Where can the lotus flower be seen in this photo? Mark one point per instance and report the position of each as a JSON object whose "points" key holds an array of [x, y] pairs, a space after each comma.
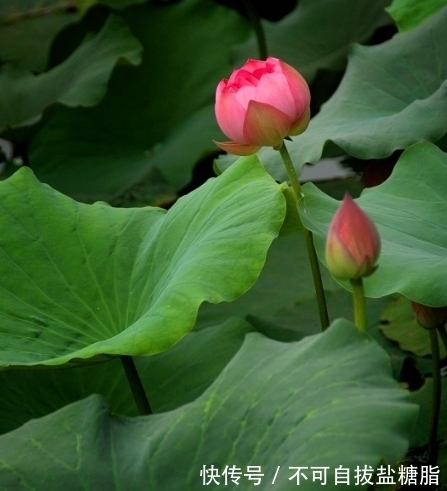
{"points": [[260, 104], [353, 242]]}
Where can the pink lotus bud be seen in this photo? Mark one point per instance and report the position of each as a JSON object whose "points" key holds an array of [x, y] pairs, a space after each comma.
{"points": [[353, 242], [429, 317], [260, 104]]}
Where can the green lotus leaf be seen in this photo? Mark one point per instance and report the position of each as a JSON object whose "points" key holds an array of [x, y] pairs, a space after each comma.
{"points": [[159, 115], [171, 379], [310, 38], [410, 13], [81, 80], [328, 400], [27, 43], [78, 281]]}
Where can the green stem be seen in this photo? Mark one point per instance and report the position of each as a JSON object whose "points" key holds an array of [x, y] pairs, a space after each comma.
{"points": [[257, 26], [359, 304], [285, 155], [443, 334], [313, 259], [318, 282], [136, 386], [436, 402]]}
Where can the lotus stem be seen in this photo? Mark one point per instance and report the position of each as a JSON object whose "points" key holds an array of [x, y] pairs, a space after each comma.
{"points": [[436, 400], [359, 304], [136, 386], [257, 26], [312, 255], [443, 334]]}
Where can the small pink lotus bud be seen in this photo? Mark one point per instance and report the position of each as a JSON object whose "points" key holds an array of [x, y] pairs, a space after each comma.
{"points": [[260, 104], [353, 242], [429, 317]]}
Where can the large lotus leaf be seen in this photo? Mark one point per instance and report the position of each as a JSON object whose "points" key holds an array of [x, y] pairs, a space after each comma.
{"points": [[160, 114], [392, 96], [81, 80], [310, 38], [84, 280], [410, 13], [171, 379], [108, 170], [27, 42], [328, 400], [409, 210], [27, 27]]}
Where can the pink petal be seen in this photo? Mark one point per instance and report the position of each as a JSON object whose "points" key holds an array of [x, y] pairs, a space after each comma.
{"points": [[357, 231], [238, 148], [302, 123], [253, 65], [246, 94], [271, 60], [265, 125], [274, 89], [298, 86], [239, 78], [353, 242], [230, 114]]}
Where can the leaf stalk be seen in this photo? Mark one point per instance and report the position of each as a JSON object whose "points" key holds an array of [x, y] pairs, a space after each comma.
{"points": [[358, 294], [136, 386], [257, 26], [436, 398], [312, 255]]}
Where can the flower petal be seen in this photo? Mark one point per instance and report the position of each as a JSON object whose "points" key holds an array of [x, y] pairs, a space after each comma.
{"points": [[265, 125], [245, 94], [230, 114], [352, 243], [274, 89], [235, 148], [339, 261], [258, 66], [243, 77], [298, 86], [302, 123]]}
